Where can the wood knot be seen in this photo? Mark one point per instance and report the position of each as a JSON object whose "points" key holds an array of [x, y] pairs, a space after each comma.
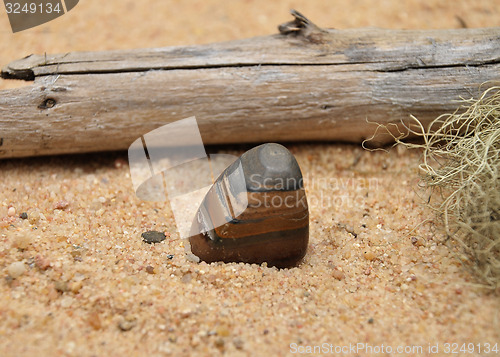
{"points": [[47, 103]]}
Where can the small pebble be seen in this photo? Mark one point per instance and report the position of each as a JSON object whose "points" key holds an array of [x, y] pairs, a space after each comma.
{"points": [[150, 270], [337, 274], [21, 241], [418, 242], [219, 343], [195, 341], [94, 320], [23, 215], [99, 212], [238, 343], [371, 320], [185, 314], [61, 205], [401, 149], [34, 216], [61, 286], [192, 258], [77, 252], [66, 302], [127, 323], [153, 237], [369, 255], [76, 286], [222, 331], [16, 269], [11, 212], [186, 278], [42, 263]]}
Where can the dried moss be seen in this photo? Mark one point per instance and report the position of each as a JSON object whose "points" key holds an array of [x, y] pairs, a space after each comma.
{"points": [[461, 163]]}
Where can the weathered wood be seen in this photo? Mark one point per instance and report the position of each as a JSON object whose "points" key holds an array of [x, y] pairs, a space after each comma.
{"points": [[305, 83]]}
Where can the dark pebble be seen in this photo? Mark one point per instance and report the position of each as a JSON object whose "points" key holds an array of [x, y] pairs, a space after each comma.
{"points": [[170, 256], [272, 226], [23, 215], [153, 237]]}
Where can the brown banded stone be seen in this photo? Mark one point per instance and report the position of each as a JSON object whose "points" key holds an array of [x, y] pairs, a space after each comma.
{"points": [[255, 212]]}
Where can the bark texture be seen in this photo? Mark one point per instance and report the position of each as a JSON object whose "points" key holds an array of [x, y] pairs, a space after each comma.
{"points": [[305, 83]]}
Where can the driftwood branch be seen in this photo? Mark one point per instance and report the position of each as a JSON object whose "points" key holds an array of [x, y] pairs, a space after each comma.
{"points": [[305, 83]]}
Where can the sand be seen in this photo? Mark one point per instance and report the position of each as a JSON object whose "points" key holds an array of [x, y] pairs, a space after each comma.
{"points": [[78, 280]]}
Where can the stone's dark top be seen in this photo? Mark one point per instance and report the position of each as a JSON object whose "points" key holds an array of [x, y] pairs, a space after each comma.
{"points": [[269, 167], [273, 225], [153, 237]]}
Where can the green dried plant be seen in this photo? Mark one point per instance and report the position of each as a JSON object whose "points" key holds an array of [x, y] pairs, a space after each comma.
{"points": [[461, 163]]}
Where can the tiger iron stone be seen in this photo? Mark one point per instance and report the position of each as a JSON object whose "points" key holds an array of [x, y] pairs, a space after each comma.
{"points": [[255, 212]]}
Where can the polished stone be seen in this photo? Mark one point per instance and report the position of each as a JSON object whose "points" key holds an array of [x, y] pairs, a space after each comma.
{"points": [[255, 212]]}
